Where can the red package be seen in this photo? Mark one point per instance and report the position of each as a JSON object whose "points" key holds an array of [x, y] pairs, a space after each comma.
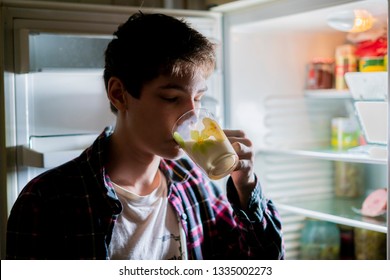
{"points": [[372, 48]]}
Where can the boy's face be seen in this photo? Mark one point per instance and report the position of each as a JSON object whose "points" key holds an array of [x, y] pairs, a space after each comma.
{"points": [[149, 120]]}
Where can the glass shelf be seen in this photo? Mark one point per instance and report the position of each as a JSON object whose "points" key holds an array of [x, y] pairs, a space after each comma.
{"points": [[329, 154], [334, 209], [328, 94]]}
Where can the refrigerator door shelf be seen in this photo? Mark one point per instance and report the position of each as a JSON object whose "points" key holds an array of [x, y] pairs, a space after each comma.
{"points": [[31, 158], [369, 112], [367, 85], [52, 150]]}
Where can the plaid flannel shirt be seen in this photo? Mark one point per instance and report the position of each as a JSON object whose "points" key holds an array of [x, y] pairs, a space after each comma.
{"points": [[69, 212]]}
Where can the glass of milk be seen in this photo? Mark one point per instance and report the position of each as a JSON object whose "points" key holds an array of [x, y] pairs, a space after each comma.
{"points": [[200, 136]]}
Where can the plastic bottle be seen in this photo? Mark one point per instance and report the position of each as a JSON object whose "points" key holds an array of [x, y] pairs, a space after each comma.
{"points": [[346, 61]]}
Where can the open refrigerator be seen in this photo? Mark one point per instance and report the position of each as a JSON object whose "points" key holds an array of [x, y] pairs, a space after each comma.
{"points": [[268, 48], [55, 103]]}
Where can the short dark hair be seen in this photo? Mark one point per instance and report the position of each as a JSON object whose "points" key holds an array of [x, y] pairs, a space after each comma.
{"points": [[149, 45]]}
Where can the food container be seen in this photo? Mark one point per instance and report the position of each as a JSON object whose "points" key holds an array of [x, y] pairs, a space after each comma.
{"points": [[348, 179], [320, 240], [346, 61], [347, 245], [375, 204], [345, 133], [320, 73], [369, 245], [372, 64]]}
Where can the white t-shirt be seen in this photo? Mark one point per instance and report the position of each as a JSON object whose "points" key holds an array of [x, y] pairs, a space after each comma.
{"points": [[148, 227]]}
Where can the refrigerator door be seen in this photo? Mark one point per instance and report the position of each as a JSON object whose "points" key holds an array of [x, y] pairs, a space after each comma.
{"points": [[60, 98], [55, 64], [55, 102]]}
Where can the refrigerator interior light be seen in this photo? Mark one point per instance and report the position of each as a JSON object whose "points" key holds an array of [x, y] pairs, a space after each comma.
{"points": [[357, 20]]}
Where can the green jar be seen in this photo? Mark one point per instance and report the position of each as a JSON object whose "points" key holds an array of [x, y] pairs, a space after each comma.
{"points": [[348, 179], [369, 245], [320, 240]]}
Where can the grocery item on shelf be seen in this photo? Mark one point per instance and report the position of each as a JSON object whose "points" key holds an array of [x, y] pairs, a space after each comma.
{"points": [[372, 48], [369, 245], [348, 179], [372, 64], [345, 62], [347, 245], [375, 203], [345, 133], [372, 35], [320, 73], [320, 240]]}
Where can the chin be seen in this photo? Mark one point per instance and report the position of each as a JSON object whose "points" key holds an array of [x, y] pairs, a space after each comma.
{"points": [[173, 154]]}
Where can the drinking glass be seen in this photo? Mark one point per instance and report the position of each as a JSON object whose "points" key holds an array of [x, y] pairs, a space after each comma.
{"points": [[200, 136]]}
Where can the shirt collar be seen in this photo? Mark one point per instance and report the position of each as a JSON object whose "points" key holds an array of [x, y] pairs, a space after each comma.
{"points": [[176, 171]]}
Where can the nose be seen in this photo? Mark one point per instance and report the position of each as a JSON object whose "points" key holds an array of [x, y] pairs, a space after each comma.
{"points": [[191, 105]]}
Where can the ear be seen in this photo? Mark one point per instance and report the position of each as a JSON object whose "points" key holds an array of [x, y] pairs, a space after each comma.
{"points": [[116, 93]]}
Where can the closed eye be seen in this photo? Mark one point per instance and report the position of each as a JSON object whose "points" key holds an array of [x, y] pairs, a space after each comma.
{"points": [[169, 99]]}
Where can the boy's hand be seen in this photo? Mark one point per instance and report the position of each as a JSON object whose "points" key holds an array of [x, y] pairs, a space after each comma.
{"points": [[243, 176]]}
